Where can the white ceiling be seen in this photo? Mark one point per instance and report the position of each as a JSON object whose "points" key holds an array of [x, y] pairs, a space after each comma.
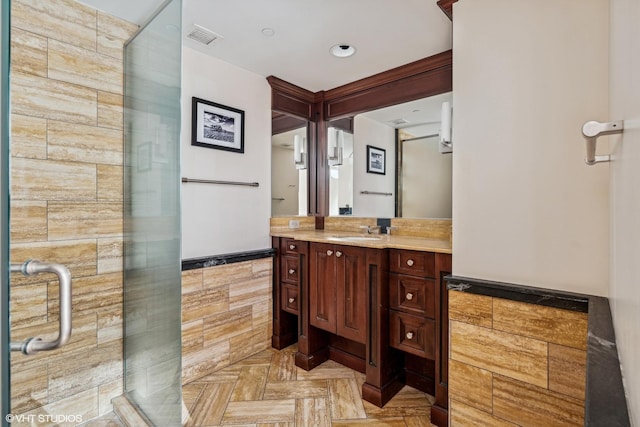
{"points": [[385, 33]]}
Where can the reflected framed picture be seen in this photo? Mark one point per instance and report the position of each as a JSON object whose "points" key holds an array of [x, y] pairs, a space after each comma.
{"points": [[376, 160], [217, 126]]}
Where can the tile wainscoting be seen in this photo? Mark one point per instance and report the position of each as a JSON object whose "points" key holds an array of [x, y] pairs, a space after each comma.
{"points": [[226, 310], [67, 201], [522, 356]]}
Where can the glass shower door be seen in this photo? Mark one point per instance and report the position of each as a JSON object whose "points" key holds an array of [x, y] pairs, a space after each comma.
{"points": [[152, 265], [4, 213]]}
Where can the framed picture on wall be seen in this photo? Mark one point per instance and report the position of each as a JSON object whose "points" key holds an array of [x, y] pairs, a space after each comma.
{"points": [[217, 126], [376, 160]]}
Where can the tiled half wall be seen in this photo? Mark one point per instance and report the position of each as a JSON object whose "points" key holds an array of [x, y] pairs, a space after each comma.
{"points": [[67, 201], [226, 315], [515, 364]]}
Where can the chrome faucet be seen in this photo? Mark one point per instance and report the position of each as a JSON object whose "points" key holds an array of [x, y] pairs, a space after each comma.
{"points": [[369, 228]]}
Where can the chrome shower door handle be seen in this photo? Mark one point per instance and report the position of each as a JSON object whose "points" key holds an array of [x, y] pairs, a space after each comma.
{"points": [[34, 344]]}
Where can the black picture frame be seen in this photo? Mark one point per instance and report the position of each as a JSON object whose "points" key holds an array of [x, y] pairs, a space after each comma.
{"points": [[376, 160], [216, 126]]}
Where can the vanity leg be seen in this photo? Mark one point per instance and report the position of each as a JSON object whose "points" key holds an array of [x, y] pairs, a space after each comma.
{"points": [[440, 409], [313, 343], [384, 376]]}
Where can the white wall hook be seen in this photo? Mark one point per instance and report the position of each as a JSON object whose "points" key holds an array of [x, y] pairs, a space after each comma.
{"points": [[591, 131]]}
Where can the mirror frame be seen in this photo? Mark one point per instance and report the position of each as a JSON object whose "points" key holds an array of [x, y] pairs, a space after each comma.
{"points": [[420, 79]]}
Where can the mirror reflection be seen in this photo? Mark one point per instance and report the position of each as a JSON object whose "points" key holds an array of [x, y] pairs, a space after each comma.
{"points": [[289, 160], [417, 178]]}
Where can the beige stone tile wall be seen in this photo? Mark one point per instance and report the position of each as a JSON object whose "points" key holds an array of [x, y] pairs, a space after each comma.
{"points": [[67, 201], [515, 364], [226, 315]]}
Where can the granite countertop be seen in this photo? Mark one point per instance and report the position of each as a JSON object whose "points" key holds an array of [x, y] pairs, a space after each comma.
{"points": [[377, 241]]}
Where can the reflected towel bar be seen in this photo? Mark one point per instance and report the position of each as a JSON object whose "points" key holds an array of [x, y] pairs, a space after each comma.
{"points": [[376, 193], [210, 181]]}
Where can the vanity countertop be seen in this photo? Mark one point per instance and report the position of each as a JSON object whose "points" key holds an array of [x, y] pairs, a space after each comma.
{"points": [[375, 241]]}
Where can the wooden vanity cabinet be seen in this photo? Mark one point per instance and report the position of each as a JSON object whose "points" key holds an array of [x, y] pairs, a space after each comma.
{"points": [[288, 273], [337, 290]]}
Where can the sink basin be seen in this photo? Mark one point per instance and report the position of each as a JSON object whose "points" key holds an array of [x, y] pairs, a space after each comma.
{"points": [[353, 238]]}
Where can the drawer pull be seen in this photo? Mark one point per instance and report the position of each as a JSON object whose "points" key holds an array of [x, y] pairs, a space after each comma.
{"points": [[292, 247], [291, 300], [409, 335], [338, 254], [291, 271], [409, 296], [410, 262], [329, 252]]}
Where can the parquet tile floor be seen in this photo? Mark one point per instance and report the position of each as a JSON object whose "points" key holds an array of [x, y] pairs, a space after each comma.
{"points": [[268, 390]]}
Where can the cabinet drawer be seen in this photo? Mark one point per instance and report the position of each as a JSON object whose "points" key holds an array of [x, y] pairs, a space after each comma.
{"points": [[289, 298], [412, 262], [413, 334], [289, 267], [412, 294], [289, 246]]}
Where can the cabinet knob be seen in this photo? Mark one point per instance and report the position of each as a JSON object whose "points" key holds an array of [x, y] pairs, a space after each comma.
{"points": [[291, 300], [329, 252], [410, 262], [338, 254], [292, 247], [409, 296], [291, 271], [409, 335]]}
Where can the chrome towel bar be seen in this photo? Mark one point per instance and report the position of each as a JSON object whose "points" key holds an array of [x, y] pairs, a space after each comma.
{"points": [[211, 181], [376, 193]]}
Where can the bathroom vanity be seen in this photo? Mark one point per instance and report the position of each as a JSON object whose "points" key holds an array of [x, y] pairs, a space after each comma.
{"points": [[374, 303]]}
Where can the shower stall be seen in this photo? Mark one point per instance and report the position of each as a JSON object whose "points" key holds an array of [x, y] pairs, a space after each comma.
{"points": [[72, 195]]}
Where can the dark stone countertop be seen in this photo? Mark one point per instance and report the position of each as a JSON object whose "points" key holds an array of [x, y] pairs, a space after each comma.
{"points": [[210, 261], [605, 402]]}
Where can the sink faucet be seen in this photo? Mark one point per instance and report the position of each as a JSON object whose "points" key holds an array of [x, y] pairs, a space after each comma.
{"points": [[369, 228]]}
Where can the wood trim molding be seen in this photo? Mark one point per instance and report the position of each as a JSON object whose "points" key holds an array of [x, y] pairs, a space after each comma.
{"points": [[419, 79], [420, 66], [291, 99], [447, 7], [281, 123]]}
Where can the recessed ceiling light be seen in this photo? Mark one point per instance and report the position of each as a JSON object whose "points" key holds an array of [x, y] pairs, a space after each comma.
{"points": [[268, 32], [342, 50]]}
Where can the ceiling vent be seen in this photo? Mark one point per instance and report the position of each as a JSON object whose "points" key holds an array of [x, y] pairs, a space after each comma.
{"points": [[202, 35], [398, 122]]}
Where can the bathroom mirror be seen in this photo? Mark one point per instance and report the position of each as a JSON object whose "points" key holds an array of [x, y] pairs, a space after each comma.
{"points": [[289, 166], [417, 178]]}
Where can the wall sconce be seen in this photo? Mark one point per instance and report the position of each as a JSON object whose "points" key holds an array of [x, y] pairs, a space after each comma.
{"points": [[445, 145], [334, 146], [300, 152]]}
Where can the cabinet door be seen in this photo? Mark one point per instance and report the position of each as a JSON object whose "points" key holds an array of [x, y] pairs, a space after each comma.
{"points": [[322, 287], [351, 292]]}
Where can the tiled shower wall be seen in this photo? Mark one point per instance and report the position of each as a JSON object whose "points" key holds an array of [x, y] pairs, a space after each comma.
{"points": [[226, 315], [515, 364], [67, 201]]}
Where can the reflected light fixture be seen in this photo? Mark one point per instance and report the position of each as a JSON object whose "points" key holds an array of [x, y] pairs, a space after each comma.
{"points": [[334, 147], [445, 128], [300, 152]]}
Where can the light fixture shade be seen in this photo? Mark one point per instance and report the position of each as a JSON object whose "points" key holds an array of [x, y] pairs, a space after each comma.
{"points": [[299, 152], [445, 145]]}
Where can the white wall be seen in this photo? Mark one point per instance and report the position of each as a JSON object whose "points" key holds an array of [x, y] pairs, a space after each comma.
{"points": [[220, 219], [284, 182], [369, 132], [526, 209], [625, 194], [426, 175]]}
